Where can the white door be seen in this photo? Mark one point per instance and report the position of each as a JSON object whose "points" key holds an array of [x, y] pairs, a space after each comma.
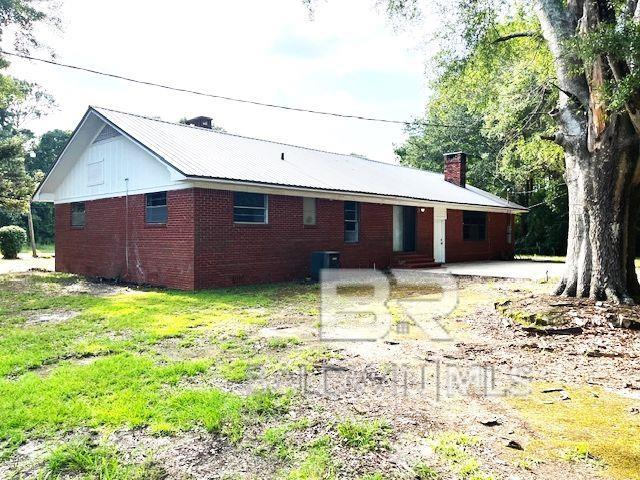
{"points": [[439, 234], [398, 227]]}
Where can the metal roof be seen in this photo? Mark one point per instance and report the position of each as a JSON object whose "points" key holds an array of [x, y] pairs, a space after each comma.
{"points": [[203, 153]]}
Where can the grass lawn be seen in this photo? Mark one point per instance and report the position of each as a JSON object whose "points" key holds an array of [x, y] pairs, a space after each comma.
{"points": [[48, 248], [100, 365], [99, 380]]}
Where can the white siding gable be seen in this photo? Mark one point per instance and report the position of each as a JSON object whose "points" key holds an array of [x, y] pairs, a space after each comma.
{"points": [[103, 167]]}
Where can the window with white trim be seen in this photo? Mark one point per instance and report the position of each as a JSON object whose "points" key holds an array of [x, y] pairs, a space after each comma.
{"points": [[156, 210], [308, 211], [250, 207], [351, 222]]}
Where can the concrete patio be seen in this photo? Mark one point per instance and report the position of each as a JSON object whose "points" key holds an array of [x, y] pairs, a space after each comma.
{"points": [[525, 269]]}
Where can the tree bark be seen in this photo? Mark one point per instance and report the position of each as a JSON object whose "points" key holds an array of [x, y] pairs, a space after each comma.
{"points": [[601, 157]]}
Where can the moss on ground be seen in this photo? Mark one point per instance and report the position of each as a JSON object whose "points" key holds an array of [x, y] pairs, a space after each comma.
{"points": [[594, 425]]}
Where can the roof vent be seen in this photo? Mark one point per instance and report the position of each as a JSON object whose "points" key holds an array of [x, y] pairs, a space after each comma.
{"points": [[201, 121], [106, 133]]}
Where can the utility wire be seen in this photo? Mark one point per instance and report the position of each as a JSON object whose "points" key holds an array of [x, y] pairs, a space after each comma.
{"points": [[231, 99]]}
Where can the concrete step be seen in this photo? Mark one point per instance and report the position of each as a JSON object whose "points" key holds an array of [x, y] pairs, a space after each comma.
{"points": [[413, 260]]}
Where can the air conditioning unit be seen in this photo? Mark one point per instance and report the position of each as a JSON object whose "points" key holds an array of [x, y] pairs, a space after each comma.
{"points": [[320, 260]]}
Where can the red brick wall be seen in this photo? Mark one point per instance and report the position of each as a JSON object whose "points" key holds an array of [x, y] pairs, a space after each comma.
{"points": [[228, 253], [455, 168], [495, 247], [158, 255], [201, 247]]}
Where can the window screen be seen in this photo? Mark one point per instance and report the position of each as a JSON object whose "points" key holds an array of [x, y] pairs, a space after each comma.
{"points": [[156, 209], [249, 207], [474, 226], [77, 214], [351, 222], [309, 211]]}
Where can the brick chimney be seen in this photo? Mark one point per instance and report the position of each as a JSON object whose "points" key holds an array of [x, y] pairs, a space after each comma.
{"points": [[201, 121], [455, 168]]}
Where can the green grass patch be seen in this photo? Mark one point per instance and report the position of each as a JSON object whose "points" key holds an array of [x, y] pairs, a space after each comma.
{"points": [[367, 435], [126, 391], [594, 425], [46, 248], [455, 448], [80, 458], [276, 439], [115, 362], [318, 463], [373, 476], [305, 359], [280, 343], [425, 472]]}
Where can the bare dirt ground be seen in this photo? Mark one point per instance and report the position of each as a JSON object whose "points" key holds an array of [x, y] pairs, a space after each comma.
{"points": [[26, 262]]}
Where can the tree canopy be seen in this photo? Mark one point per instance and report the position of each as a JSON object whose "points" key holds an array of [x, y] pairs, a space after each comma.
{"points": [[493, 101]]}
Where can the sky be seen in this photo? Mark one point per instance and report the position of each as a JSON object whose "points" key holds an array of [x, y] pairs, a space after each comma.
{"points": [[348, 58]]}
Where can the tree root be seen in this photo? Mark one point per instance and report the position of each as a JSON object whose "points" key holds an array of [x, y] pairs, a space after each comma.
{"points": [[613, 295]]}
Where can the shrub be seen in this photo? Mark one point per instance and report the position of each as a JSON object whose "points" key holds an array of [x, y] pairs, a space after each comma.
{"points": [[12, 238]]}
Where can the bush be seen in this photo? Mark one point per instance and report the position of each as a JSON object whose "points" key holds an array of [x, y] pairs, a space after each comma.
{"points": [[12, 238]]}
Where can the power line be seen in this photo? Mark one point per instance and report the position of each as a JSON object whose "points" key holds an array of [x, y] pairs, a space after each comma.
{"points": [[230, 99]]}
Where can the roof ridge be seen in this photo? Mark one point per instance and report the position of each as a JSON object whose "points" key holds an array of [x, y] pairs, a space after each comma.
{"points": [[265, 140]]}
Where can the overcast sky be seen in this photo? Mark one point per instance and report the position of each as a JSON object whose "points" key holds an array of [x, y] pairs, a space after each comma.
{"points": [[348, 58]]}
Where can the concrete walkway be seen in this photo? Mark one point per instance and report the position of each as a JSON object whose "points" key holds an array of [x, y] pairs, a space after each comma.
{"points": [[26, 262], [525, 269]]}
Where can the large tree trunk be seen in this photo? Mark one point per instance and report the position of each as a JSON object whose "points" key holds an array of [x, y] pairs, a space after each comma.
{"points": [[602, 209], [601, 155]]}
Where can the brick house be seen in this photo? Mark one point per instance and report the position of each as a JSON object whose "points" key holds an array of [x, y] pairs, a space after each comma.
{"points": [[184, 206]]}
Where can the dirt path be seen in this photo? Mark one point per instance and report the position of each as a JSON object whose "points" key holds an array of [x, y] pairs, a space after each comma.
{"points": [[26, 262]]}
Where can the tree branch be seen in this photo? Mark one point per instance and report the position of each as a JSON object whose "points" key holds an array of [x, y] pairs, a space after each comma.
{"points": [[572, 96], [559, 26], [506, 38]]}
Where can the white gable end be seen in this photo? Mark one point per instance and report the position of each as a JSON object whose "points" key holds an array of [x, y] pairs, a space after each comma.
{"points": [[110, 166]]}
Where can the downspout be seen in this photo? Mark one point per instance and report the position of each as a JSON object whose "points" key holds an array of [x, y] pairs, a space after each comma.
{"points": [[126, 227]]}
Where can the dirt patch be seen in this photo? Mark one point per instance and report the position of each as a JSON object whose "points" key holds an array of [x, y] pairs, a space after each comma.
{"points": [[194, 456], [301, 332], [50, 317]]}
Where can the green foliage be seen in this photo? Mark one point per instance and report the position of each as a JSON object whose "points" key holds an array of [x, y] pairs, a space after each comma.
{"points": [[49, 147], [618, 41], [496, 97], [368, 435], [15, 184], [25, 15], [12, 238]]}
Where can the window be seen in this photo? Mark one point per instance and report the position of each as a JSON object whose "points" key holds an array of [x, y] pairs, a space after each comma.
{"points": [[249, 207], [156, 209], [77, 214], [474, 226], [309, 211], [351, 222]]}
